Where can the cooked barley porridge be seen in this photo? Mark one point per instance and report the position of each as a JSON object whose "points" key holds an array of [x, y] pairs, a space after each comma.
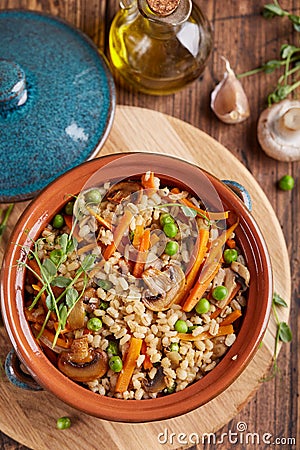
{"points": [[135, 290]]}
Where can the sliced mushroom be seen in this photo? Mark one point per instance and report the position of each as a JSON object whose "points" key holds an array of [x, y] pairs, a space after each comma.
{"points": [[76, 316], [158, 383], [278, 130], [228, 100], [230, 284], [125, 189], [83, 363], [164, 287], [219, 348], [241, 270], [175, 359]]}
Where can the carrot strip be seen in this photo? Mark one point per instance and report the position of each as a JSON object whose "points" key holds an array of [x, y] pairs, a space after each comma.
{"points": [[175, 190], [100, 219], [138, 233], [129, 365], [232, 317], [147, 364], [210, 215], [149, 182], [203, 240], [217, 312], [230, 243], [141, 258], [191, 276], [223, 331], [200, 287], [69, 222], [118, 234], [50, 337]]}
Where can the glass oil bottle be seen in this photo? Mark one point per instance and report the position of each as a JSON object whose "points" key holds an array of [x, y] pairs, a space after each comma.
{"points": [[159, 46]]}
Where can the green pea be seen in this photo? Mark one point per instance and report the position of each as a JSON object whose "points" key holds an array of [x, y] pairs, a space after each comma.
{"points": [[170, 230], [58, 221], [112, 349], [286, 183], [63, 423], [203, 306], [94, 324], [181, 326], [171, 248], [219, 293], [165, 218], [69, 208], [230, 255], [93, 196], [115, 363], [174, 347]]}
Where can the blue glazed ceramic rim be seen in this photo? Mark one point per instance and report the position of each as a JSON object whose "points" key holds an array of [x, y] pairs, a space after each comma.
{"points": [[110, 113]]}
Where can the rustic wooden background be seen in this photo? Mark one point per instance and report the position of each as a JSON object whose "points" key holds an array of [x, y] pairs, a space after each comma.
{"points": [[247, 40]]}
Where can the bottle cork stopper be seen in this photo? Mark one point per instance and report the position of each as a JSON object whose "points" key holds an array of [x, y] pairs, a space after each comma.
{"points": [[163, 7]]}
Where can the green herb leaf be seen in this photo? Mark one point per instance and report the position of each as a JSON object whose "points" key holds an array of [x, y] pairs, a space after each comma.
{"points": [[271, 10], [50, 302], [294, 19], [271, 65], [296, 27], [56, 256], [104, 284], [63, 242], [71, 297], [63, 314], [287, 50], [277, 300], [284, 332], [189, 212], [49, 268], [88, 262], [61, 282], [72, 245]]}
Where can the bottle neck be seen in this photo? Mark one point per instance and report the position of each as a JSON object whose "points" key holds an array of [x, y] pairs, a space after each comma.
{"points": [[169, 13]]}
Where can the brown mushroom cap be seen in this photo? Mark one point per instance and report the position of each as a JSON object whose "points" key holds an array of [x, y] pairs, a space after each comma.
{"points": [[125, 189], [278, 130], [164, 287], [85, 371]]}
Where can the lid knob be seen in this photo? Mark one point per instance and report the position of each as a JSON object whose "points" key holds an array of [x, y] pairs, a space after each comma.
{"points": [[13, 91]]}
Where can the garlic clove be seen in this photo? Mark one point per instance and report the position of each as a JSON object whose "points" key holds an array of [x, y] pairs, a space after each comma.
{"points": [[278, 130], [228, 100]]}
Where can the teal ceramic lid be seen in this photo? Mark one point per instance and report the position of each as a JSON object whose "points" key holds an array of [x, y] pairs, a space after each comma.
{"points": [[57, 101]]}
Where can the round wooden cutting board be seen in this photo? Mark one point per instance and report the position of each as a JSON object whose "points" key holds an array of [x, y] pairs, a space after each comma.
{"points": [[30, 417]]}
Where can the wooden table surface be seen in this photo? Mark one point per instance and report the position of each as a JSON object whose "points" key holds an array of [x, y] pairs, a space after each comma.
{"points": [[247, 40]]}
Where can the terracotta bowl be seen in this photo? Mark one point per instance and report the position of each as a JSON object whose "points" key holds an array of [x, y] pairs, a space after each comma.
{"points": [[173, 171]]}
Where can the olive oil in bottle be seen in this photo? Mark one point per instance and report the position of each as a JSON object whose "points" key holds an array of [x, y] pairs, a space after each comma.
{"points": [[159, 46]]}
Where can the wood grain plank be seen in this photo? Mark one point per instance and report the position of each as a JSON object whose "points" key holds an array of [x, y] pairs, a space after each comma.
{"points": [[164, 134]]}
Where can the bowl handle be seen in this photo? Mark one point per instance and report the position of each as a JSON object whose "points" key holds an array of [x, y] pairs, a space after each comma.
{"points": [[17, 376], [240, 191]]}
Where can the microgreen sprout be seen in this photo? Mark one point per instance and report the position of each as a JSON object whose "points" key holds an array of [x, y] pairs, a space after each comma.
{"points": [[274, 9], [47, 274], [283, 334], [289, 60]]}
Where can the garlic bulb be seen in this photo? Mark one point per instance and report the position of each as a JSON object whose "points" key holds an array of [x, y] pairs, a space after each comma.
{"points": [[278, 130], [228, 100]]}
